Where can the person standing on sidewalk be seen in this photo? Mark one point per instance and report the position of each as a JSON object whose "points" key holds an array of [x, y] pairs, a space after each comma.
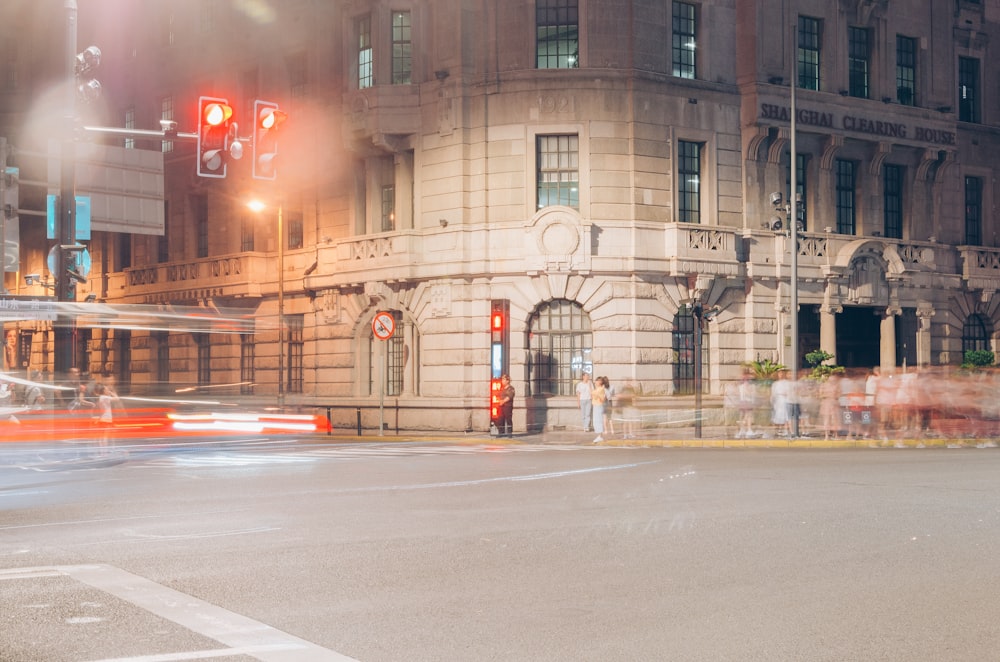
{"points": [[583, 389], [598, 398], [506, 422], [609, 406]]}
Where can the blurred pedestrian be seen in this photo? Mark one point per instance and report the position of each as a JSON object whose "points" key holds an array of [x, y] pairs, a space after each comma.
{"points": [[627, 405], [583, 389], [105, 419], [598, 398], [781, 400], [609, 407], [746, 399]]}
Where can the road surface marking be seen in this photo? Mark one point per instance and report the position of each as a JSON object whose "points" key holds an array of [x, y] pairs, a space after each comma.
{"points": [[242, 635]]}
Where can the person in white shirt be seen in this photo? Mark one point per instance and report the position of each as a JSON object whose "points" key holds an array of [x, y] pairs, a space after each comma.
{"points": [[586, 407]]}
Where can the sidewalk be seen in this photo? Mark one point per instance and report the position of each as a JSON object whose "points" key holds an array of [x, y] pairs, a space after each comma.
{"points": [[675, 437]]}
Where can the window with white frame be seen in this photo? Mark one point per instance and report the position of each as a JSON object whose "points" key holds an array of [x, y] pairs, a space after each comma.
{"points": [[558, 170], [365, 54], [557, 34]]}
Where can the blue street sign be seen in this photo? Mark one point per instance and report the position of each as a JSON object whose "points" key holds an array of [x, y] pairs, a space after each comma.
{"points": [[82, 217]]}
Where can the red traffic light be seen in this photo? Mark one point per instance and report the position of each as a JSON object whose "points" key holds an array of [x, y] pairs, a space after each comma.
{"points": [[270, 118], [497, 321], [267, 119], [215, 114], [214, 123]]}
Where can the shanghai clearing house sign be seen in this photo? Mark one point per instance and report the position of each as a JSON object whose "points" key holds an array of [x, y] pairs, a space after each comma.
{"points": [[383, 325]]}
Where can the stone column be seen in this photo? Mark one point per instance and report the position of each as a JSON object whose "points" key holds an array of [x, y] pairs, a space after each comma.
{"points": [[887, 339], [924, 315], [828, 330]]}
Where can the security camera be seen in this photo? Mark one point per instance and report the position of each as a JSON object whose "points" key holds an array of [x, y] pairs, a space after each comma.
{"points": [[31, 279], [775, 224], [91, 298], [711, 313], [776, 199]]}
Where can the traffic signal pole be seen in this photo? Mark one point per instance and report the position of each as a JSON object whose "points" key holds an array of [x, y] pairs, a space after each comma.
{"points": [[65, 221]]}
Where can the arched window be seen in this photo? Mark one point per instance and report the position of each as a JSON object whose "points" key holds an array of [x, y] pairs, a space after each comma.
{"points": [[560, 343], [684, 352], [974, 334], [391, 363]]}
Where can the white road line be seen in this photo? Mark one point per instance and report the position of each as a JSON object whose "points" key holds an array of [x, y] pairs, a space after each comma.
{"points": [[203, 655], [234, 630]]}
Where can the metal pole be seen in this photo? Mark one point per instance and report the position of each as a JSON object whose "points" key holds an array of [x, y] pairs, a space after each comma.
{"points": [[3, 210], [281, 306], [65, 289], [697, 312], [793, 224]]}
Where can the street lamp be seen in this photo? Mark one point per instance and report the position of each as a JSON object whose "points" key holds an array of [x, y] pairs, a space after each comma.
{"points": [[257, 206]]}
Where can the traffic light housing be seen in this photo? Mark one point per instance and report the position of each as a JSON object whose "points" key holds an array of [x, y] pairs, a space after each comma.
{"points": [[215, 117], [267, 120], [10, 249], [499, 353]]}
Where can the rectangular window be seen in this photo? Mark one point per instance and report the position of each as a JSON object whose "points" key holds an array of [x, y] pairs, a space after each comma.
{"points": [[130, 124], [247, 235], [161, 340], [124, 251], [846, 215], [401, 48], [247, 356], [688, 182], [808, 52], [892, 183], [294, 345], [295, 239], [968, 89], [204, 343], [973, 211], [366, 74], [200, 204], [858, 62], [906, 70], [683, 49], [123, 356], [298, 74], [557, 34], [11, 48], [388, 206], [162, 243], [558, 159], [167, 113]]}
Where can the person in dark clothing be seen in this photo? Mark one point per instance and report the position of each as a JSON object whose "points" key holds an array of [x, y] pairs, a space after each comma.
{"points": [[506, 424]]}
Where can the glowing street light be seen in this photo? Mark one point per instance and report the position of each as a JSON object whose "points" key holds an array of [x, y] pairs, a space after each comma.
{"points": [[259, 206]]}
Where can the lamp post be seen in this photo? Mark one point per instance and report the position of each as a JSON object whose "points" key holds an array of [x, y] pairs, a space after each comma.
{"points": [[257, 206]]}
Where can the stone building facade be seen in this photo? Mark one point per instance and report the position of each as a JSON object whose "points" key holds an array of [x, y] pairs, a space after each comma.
{"points": [[604, 167]]}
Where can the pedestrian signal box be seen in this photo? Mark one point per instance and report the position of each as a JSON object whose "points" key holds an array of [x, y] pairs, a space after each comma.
{"points": [[499, 352]]}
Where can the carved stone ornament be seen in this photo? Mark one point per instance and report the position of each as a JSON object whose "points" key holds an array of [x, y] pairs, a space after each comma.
{"points": [[558, 235]]}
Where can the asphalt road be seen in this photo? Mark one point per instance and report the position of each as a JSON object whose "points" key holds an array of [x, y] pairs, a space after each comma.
{"points": [[424, 551]]}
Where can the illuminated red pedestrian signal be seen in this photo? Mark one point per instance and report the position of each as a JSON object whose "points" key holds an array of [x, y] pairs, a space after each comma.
{"points": [[215, 118], [499, 353], [268, 119]]}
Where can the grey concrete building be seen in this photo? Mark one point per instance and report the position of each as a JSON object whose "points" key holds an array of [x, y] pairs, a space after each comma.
{"points": [[605, 168]]}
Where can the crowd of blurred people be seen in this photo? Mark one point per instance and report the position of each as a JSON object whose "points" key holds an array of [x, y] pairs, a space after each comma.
{"points": [[77, 392], [878, 405]]}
